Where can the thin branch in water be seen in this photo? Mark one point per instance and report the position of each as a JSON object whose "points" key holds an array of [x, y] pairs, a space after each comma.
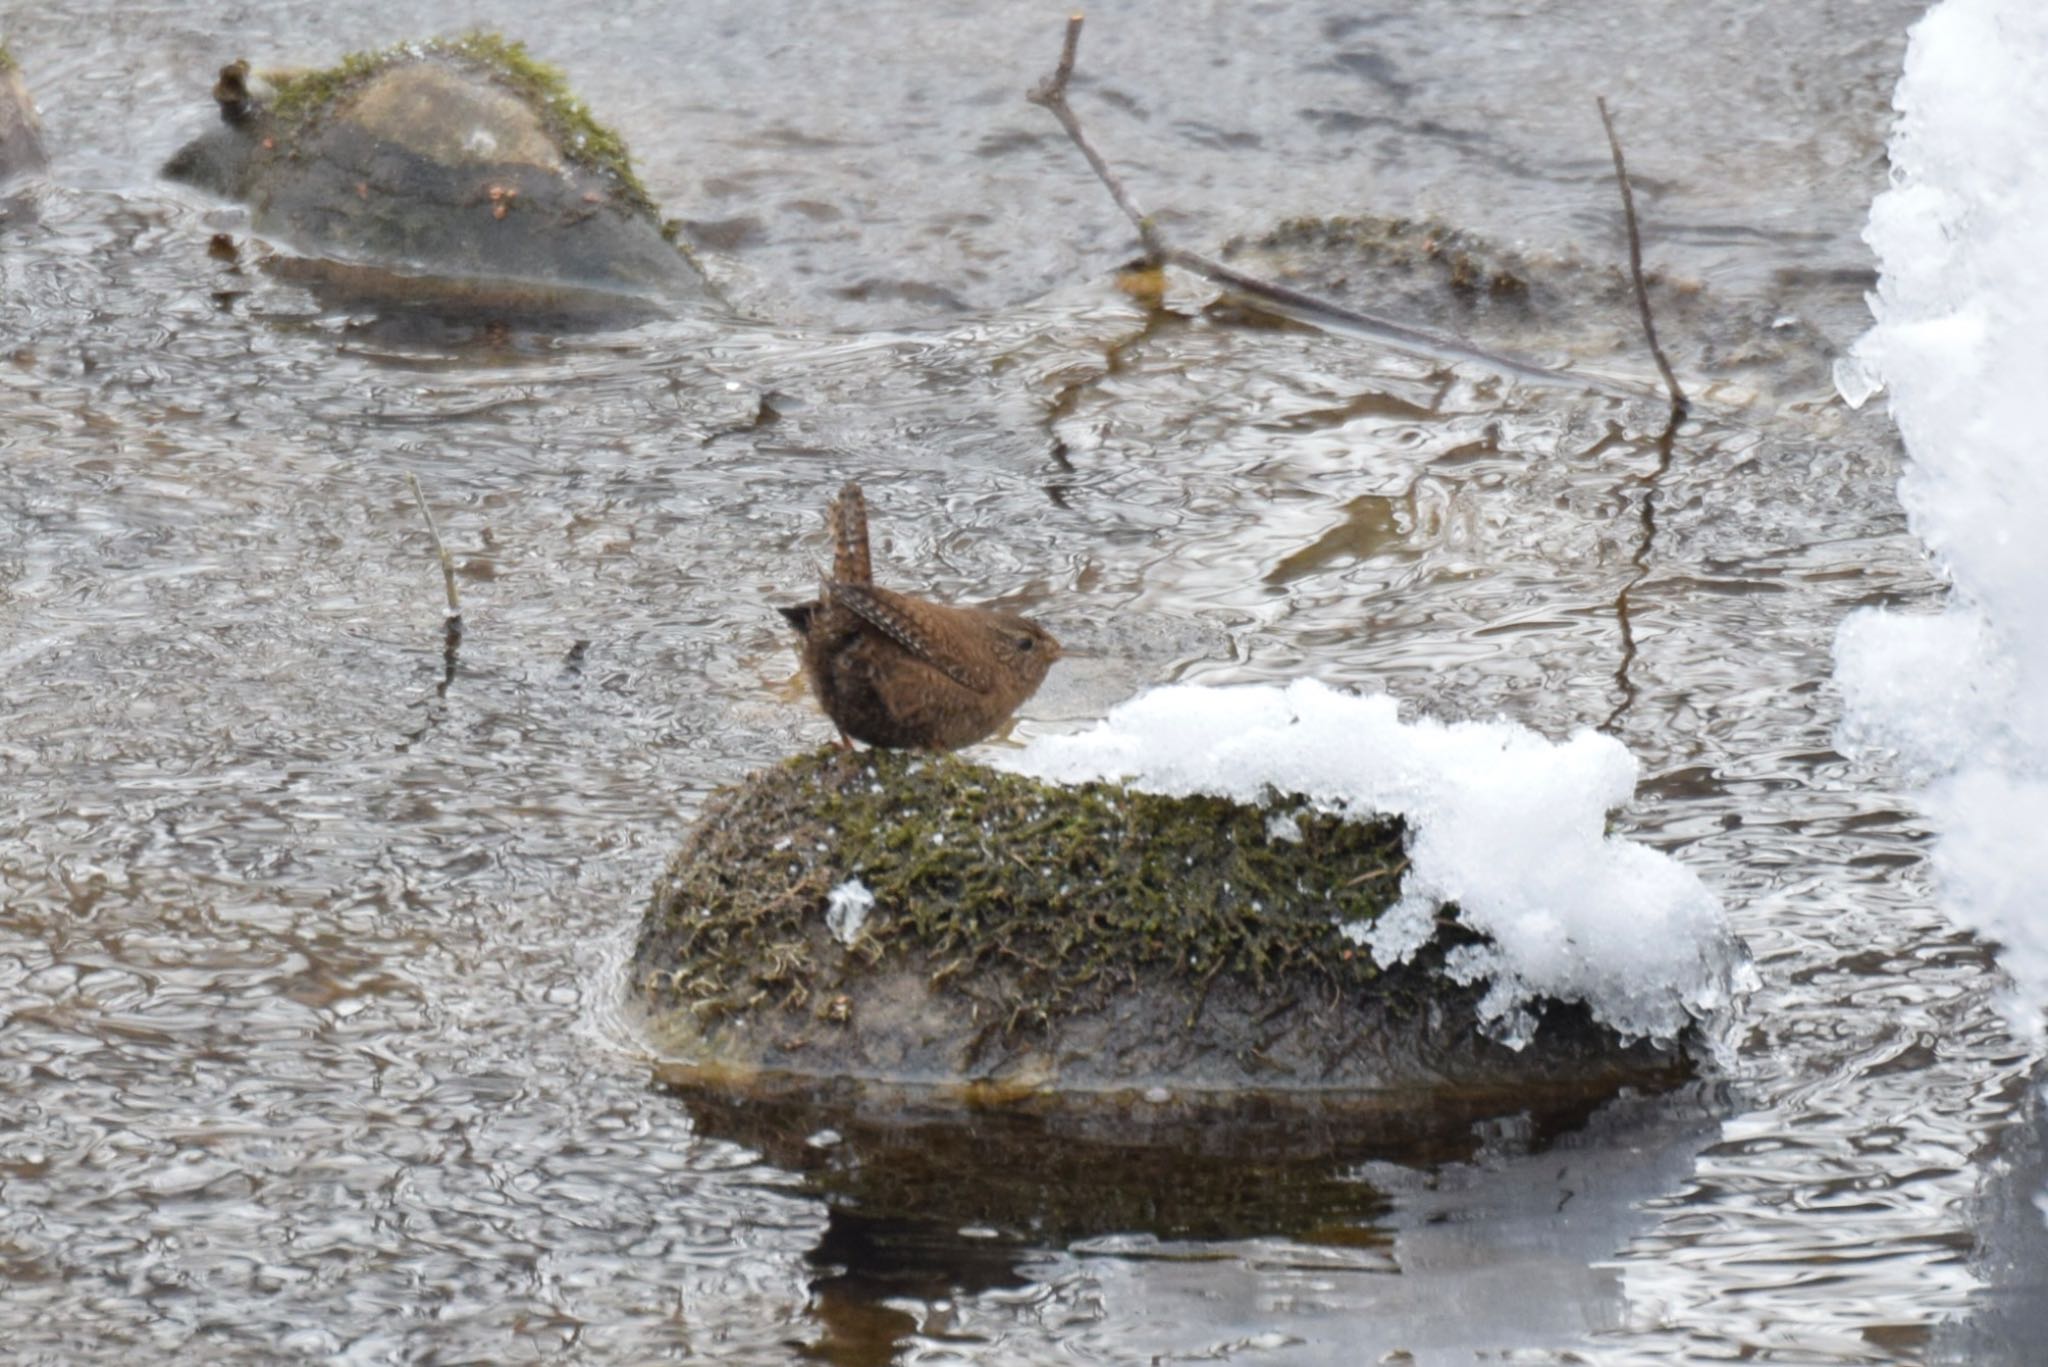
{"points": [[1051, 94], [440, 549], [451, 632], [1679, 403], [1623, 608], [1623, 605], [1306, 308]]}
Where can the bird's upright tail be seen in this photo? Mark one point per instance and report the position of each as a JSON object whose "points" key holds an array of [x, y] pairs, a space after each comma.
{"points": [[849, 519]]}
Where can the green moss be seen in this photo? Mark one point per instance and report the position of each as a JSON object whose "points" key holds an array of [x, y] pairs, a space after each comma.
{"points": [[302, 96], [1468, 263], [7, 62], [1063, 896]]}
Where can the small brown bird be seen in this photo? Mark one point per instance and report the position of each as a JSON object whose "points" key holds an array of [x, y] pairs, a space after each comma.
{"points": [[906, 673]]}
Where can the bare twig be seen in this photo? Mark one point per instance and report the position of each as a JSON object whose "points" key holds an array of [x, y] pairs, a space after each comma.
{"points": [[1623, 604], [1051, 94], [1679, 403], [1383, 871], [451, 627], [1306, 308], [447, 562]]}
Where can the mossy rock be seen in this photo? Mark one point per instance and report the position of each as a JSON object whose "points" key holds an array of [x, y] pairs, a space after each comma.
{"points": [[1027, 939], [457, 175], [21, 133], [1546, 306]]}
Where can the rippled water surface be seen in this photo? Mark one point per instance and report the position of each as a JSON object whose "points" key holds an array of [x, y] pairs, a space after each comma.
{"points": [[310, 1029]]}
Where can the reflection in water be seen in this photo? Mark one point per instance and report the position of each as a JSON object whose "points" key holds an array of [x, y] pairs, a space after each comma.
{"points": [[308, 970], [1374, 527], [935, 1217], [1503, 1242]]}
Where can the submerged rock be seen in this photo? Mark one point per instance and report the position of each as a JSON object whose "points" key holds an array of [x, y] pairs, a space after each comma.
{"points": [[21, 133], [1546, 306], [458, 175], [916, 921]]}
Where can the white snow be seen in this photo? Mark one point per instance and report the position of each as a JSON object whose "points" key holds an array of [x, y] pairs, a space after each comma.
{"points": [[1505, 823], [846, 910], [1961, 348]]}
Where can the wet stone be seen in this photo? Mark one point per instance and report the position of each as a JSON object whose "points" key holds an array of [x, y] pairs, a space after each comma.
{"points": [[458, 176], [1548, 306], [21, 133], [1025, 939]]}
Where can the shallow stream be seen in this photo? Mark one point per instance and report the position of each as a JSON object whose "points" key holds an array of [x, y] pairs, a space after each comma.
{"points": [[311, 1041]]}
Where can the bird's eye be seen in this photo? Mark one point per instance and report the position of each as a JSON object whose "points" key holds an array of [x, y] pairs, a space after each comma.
{"points": [[1026, 642]]}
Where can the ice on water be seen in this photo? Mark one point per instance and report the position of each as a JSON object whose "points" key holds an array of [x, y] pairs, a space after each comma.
{"points": [[1506, 824], [1961, 348]]}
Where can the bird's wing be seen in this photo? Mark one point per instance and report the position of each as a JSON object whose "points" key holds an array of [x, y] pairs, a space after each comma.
{"points": [[899, 618]]}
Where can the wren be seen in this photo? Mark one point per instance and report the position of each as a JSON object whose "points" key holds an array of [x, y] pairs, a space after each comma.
{"points": [[907, 673]]}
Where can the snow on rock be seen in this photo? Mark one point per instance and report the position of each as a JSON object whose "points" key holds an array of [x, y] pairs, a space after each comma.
{"points": [[1961, 348], [1503, 822], [846, 910]]}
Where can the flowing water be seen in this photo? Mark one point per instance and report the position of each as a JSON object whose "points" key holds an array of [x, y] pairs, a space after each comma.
{"points": [[311, 1037]]}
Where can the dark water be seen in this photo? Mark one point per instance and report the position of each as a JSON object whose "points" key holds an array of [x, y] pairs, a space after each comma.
{"points": [[310, 1038]]}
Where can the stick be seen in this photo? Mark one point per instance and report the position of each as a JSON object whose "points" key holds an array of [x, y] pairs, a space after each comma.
{"points": [[1679, 404], [447, 562], [1306, 308], [1051, 94], [1623, 612]]}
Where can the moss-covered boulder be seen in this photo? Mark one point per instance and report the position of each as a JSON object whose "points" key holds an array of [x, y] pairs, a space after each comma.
{"points": [[21, 134], [911, 920], [1551, 306], [457, 175]]}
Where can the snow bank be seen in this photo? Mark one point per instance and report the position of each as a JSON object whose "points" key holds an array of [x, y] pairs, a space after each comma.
{"points": [[1961, 344], [1506, 824]]}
